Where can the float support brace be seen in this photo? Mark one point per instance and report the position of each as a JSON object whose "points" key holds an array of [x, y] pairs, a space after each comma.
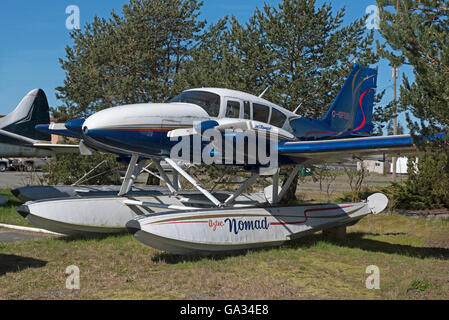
{"points": [[132, 172], [195, 183]]}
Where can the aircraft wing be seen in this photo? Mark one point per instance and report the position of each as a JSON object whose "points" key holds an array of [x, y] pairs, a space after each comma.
{"points": [[343, 150], [58, 148], [28, 142]]}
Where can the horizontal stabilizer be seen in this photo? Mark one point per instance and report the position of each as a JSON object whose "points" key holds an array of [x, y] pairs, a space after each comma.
{"points": [[58, 129]]}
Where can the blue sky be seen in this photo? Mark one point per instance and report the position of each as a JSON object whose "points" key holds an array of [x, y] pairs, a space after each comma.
{"points": [[34, 37]]}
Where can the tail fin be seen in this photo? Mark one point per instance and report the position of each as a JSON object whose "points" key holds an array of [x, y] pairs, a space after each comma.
{"points": [[352, 109], [31, 111]]}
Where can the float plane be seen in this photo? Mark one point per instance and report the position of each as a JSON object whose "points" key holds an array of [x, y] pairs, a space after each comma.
{"points": [[229, 128]]}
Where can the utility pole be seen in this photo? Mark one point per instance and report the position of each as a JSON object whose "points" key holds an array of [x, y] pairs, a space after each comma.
{"points": [[395, 119]]}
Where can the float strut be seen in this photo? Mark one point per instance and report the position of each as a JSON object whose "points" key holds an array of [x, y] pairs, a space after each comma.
{"points": [[241, 189], [170, 185], [132, 172], [195, 183], [275, 196], [287, 183]]}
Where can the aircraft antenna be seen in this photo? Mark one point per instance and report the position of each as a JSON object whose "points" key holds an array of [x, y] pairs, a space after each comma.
{"points": [[297, 108], [261, 95]]}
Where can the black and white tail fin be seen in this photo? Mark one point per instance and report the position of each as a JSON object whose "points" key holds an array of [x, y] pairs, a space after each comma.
{"points": [[31, 111]]}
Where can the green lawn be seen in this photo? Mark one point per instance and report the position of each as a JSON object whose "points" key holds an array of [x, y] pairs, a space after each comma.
{"points": [[412, 256]]}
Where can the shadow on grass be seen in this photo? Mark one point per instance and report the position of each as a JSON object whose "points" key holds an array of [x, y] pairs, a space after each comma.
{"points": [[13, 263], [357, 240], [171, 258], [354, 240], [13, 201]]}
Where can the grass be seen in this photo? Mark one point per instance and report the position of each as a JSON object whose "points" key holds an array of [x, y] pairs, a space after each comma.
{"points": [[412, 255], [8, 212]]}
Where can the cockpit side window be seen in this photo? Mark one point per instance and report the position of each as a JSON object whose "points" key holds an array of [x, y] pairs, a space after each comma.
{"points": [[261, 112], [209, 101], [233, 109], [277, 118]]}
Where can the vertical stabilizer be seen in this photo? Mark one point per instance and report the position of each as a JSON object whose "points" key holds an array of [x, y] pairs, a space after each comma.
{"points": [[31, 111], [352, 109]]}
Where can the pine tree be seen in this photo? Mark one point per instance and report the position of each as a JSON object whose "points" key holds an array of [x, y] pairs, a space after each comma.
{"points": [[390, 130], [132, 57], [303, 52], [157, 48], [416, 34], [128, 58]]}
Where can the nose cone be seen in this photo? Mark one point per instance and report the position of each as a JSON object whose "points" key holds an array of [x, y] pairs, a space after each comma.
{"points": [[23, 210], [76, 126], [133, 226], [130, 128]]}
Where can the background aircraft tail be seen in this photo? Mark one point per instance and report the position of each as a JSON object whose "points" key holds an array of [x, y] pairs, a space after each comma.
{"points": [[32, 110], [352, 109], [350, 114]]}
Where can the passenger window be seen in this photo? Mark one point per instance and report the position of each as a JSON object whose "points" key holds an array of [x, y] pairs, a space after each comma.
{"points": [[277, 118], [260, 112], [233, 109], [246, 110]]}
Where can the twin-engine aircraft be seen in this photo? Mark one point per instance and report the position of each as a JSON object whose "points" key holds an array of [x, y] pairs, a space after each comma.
{"points": [[152, 130], [18, 136], [227, 127]]}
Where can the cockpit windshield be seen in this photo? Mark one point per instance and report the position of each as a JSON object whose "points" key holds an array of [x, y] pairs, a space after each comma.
{"points": [[209, 101]]}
